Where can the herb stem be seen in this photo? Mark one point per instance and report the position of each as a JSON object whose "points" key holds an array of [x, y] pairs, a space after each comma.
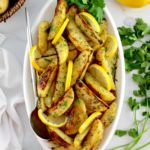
{"points": [[144, 145], [115, 148]]}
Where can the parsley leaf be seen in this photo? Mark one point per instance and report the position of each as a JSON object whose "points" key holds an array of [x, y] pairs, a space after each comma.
{"points": [[95, 7], [133, 104], [120, 133], [133, 132]]}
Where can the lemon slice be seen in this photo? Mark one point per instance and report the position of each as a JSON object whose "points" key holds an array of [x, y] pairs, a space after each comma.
{"points": [[88, 121], [52, 121], [34, 54], [111, 46], [60, 32], [92, 21], [61, 134], [79, 137], [69, 75], [100, 75]]}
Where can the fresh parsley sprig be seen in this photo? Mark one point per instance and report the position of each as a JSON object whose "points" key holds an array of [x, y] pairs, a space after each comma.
{"points": [[137, 59], [95, 7]]}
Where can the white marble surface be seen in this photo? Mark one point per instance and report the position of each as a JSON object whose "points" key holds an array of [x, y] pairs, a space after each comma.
{"points": [[15, 32]]}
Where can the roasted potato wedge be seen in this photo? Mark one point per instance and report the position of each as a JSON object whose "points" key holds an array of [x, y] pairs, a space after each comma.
{"points": [[62, 50], [109, 115], [63, 105], [41, 104], [60, 83], [74, 33], [87, 29], [50, 61], [42, 36], [76, 117], [94, 136], [45, 81], [60, 133], [92, 102], [100, 91], [79, 65], [70, 147], [60, 15], [72, 54], [50, 52], [71, 46]]}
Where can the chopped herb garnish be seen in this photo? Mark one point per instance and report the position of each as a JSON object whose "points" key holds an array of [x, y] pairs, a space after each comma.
{"points": [[137, 59]]}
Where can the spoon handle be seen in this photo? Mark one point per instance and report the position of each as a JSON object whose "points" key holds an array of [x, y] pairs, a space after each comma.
{"points": [[29, 42]]}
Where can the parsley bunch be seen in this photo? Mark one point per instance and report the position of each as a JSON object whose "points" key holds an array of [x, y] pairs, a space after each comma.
{"points": [[95, 7], [137, 59]]}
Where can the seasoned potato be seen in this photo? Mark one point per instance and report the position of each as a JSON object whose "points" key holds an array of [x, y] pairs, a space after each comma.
{"points": [[109, 115], [50, 61], [76, 117], [79, 64], [42, 36], [94, 136], [74, 33], [92, 102], [45, 81], [87, 29], [102, 92], [63, 105], [60, 15], [62, 50], [48, 99], [70, 147], [50, 52], [41, 104], [60, 83], [72, 54], [71, 46], [104, 33], [95, 46]]}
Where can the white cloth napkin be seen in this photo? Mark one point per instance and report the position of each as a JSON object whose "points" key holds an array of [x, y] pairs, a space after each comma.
{"points": [[11, 133]]}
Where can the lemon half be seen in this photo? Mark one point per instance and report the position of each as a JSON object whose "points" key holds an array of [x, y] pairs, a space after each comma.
{"points": [[52, 121], [92, 21]]}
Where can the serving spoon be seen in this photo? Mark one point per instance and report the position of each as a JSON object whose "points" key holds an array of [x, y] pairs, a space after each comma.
{"points": [[38, 127]]}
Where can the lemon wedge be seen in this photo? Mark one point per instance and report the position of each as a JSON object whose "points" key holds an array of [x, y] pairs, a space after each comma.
{"points": [[60, 32], [100, 75], [61, 134], [111, 46], [92, 21], [52, 121], [89, 121], [34, 54], [69, 75]]}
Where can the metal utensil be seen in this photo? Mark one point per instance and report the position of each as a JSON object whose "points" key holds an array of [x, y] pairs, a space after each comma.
{"points": [[38, 127]]}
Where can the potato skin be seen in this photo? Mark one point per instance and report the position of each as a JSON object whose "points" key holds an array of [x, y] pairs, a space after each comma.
{"points": [[87, 29], [76, 117], [109, 115], [74, 33], [60, 83], [92, 102], [63, 105], [79, 65], [94, 136], [99, 90], [72, 54], [60, 15], [42, 36]]}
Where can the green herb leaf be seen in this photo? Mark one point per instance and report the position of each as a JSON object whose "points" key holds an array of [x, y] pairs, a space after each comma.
{"points": [[133, 132], [133, 104], [120, 133]]}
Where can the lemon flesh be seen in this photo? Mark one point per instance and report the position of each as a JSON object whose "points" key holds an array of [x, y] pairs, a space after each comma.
{"points": [[52, 121], [69, 75], [92, 21], [34, 54], [111, 46], [89, 121], [60, 32], [101, 76]]}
